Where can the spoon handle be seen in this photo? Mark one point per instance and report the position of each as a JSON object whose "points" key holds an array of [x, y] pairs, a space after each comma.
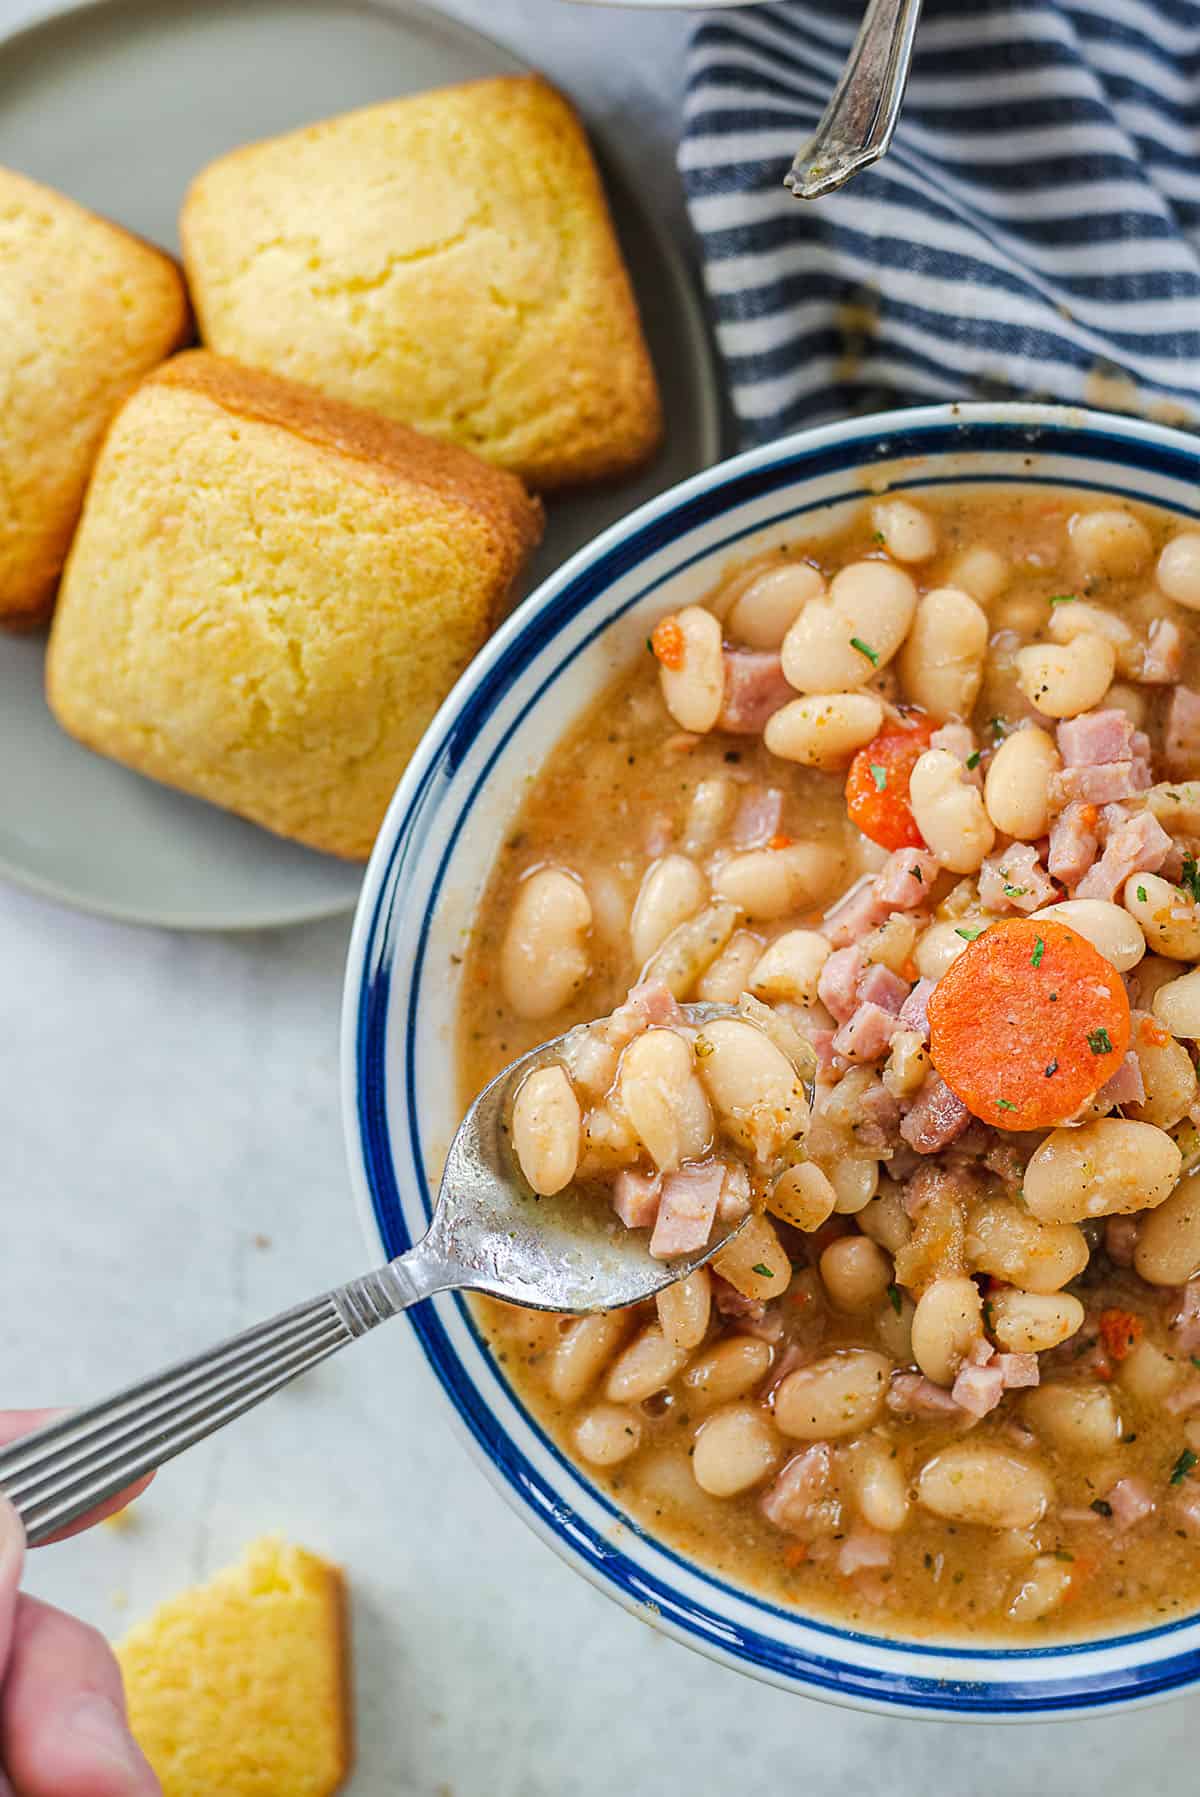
{"points": [[859, 122], [59, 1472]]}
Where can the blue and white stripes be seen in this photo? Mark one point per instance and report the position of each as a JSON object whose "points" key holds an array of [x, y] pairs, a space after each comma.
{"points": [[1034, 230]]}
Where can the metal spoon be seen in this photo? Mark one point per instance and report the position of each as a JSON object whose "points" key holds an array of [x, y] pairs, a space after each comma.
{"points": [[860, 120], [489, 1234]]}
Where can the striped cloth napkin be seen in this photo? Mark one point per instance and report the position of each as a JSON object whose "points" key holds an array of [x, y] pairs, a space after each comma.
{"points": [[1034, 230]]}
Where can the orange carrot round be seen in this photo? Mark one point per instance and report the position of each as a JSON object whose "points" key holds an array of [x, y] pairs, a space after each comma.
{"points": [[877, 785], [1028, 1023]]}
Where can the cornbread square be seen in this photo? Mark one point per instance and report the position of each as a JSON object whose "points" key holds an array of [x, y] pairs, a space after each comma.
{"points": [[85, 311], [448, 260], [270, 594], [239, 1688]]}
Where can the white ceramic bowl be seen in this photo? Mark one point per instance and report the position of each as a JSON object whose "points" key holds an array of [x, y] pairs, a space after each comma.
{"points": [[441, 833]]}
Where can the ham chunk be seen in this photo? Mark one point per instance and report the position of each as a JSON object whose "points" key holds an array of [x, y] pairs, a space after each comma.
{"points": [[978, 1389], [837, 987], [865, 1035], [936, 1118], [854, 916], [914, 1012], [1015, 881], [1186, 1321], [906, 879], [1074, 842], [1162, 661], [1132, 1501], [1181, 738], [1138, 845], [1106, 785], [758, 817], [791, 1500], [635, 1197], [1104, 759], [1096, 738], [878, 985], [650, 1003], [686, 1211], [754, 689], [1126, 1085], [912, 1394], [1017, 1370], [864, 1550], [1120, 1240]]}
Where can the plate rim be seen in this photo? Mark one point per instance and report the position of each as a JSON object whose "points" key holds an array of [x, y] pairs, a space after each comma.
{"points": [[52, 15]]}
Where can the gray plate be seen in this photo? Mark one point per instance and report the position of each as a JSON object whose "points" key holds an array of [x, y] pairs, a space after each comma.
{"points": [[118, 104]]}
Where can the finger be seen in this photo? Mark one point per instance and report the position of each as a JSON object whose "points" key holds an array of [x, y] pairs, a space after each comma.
{"points": [[62, 1712], [15, 1423], [12, 1561]]}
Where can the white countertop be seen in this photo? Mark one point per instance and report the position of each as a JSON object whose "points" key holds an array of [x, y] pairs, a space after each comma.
{"points": [[173, 1170]]}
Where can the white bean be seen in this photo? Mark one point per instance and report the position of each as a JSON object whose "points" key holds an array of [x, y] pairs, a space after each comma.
{"points": [[981, 571], [1110, 543], [1067, 621], [947, 1321], [771, 883], [684, 1308], [1016, 790], [755, 1262], [803, 1197], [1079, 1419], [663, 1099], [1168, 1077], [941, 663], [855, 1182], [765, 611], [1108, 927], [544, 959], [976, 1483], [1179, 569], [1108, 1168], [546, 1122], [1129, 699], [839, 642], [607, 1434], [735, 1450], [1005, 1241], [1041, 1590], [856, 1272], [938, 949], [949, 812], [583, 1353], [710, 808], [1146, 1373], [1170, 922], [674, 889], [880, 1489], [729, 1370], [1064, 679], [840, 1394], [909, 534], [824, 729], [1168, 1242], [1032, 1322], [649, 1363], [791, 968], [754, 1087], [693, 690], [730, 974], [1177, 1005]]}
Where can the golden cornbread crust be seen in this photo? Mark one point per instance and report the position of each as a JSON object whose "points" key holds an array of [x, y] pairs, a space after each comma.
{"points": [[447, 260], [86, 309], [241, 1688], [270, 594]]}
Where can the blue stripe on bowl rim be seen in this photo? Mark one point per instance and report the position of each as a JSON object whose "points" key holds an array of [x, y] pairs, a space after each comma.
{"points": [[892, 437]]}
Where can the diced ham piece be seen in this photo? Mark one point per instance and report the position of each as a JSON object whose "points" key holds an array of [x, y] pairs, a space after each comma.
{"points": [[1185, 1398], [1162, 662], [1131, 1500], [1096, 737], [799, 1488], [730, 1302], [878, 985], [906, 879], [1181, 738], [932, 1180], [635, 1197], [957, 740], [878, 1121], [855, 915], [912, 1394], [754, 689], [1104, 785], [1074, 842], [1139, 845], [1186, 1321], [652, 1002], [837, 988], [1120, 1240], [936, 1118], [914, 1012], [758, 817], [1017, 1370], [734, 1201], [864, 1550], [1015, 880], [686, 1211], [978, 1389], [866, 1035], [821, 1043], [1126, 1085]]}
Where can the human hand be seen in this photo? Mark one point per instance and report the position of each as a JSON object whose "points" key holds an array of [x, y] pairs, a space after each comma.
{"points": [[62, 1707]]}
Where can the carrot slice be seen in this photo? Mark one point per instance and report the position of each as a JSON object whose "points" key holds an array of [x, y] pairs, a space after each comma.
{"points": [[877, 785], [1028, 1023], [1120, 1331], [666, 642]]}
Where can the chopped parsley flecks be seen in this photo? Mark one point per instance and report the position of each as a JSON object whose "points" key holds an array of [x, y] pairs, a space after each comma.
{"points": [[968, 935], [872, 655], [1099, 1041], [1051, 1069], [894, 1298], [974, 759], [763, 1272], [1015, 891], [998, 728], [1101, 1506], [1183, 1466], [1039, 949], [1063, 598], [1002, 1104], [1143, 896], [917, 875], [879, 775], [1189, 879]]}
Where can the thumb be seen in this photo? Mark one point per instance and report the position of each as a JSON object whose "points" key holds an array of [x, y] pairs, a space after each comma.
{"points": [[12, 1563]]}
